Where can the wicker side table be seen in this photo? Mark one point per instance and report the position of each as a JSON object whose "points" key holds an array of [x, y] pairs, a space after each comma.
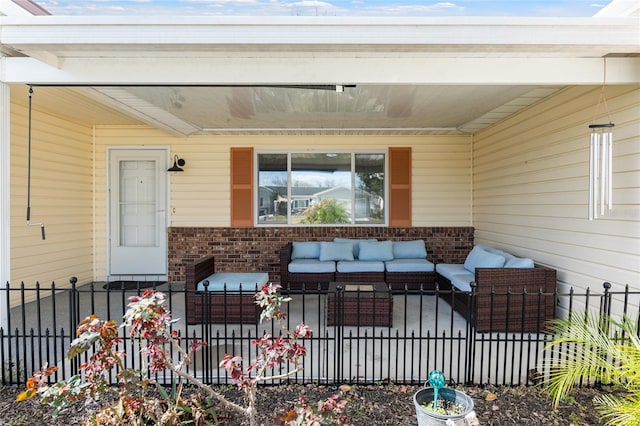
{"points": [[359, 304]]}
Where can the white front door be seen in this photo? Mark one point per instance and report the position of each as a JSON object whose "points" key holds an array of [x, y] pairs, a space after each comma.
{"points": [[137, 212]]}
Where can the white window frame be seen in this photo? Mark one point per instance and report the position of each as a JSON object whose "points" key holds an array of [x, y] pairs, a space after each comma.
{"points": [[289, 154]]}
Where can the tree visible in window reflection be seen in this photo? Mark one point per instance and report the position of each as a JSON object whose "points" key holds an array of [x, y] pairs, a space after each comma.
{"points": [[326, 211], [373, 183]]}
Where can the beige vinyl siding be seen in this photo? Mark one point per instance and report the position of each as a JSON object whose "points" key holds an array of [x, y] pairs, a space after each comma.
{"points": [[61, 197], [530, 188], [200, 196], [442, 182]]}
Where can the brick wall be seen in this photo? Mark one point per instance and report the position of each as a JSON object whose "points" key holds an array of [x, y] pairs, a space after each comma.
{"points": [[258, 249]]}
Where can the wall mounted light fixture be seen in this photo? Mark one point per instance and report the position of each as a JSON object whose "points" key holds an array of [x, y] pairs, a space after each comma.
{"points": [[177, 164]]}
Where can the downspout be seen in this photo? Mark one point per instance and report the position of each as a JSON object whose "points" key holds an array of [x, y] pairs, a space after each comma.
{"points": [[5, 201]]}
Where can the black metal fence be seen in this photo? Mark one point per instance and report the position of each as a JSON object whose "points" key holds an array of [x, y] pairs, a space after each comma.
{"points": [[358, 337]]}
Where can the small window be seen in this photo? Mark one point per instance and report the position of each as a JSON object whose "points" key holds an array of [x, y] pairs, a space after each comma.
{"points": [[321, 188]]}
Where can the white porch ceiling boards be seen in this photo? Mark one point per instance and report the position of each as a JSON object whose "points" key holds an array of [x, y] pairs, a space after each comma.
{"points": [[412, 75]]}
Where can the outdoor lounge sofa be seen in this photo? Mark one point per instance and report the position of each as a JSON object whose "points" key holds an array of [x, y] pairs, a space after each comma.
{"points": [[314, 264], [496, 291], [223, 297]]}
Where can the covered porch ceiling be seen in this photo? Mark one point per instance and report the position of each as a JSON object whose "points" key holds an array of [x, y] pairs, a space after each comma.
{"points": [[315, 75]]}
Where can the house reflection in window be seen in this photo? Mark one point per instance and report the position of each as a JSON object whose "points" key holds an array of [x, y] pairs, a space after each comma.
{"points": [[297, 188]]}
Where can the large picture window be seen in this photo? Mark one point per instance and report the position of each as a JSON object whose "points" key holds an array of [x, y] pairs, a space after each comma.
{"points": [[321, 188]]}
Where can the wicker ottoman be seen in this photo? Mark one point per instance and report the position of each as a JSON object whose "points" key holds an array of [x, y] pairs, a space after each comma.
{"points": [[359, 304]]}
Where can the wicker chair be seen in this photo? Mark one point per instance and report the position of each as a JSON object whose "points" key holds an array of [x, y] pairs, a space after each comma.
{"points": [[505, 299]]}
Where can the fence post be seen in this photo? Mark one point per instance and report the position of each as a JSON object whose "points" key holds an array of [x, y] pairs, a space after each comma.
{"points": [[605, 303], [205, 326], [74, 320], [470, 341], [338, 320], [605, 307]]}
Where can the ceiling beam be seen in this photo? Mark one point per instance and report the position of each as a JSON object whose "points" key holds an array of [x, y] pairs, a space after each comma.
{"points": [[337, 70], [131, 31]]}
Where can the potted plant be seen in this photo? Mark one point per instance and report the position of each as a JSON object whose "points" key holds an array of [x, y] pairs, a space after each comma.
{"points": [[439, 405]]}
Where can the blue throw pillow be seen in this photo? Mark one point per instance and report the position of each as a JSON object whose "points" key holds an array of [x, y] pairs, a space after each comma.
{"points": [[409, 250], [378, 250], [480, 258], [305, 250], [335, 251], [354, 241], [519, 262]]}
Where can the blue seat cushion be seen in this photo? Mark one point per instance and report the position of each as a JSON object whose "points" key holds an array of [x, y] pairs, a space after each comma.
{"points": [[409, 265], [311, 266], [462, 281], [231, 281], [360, 266], [448, 270]]}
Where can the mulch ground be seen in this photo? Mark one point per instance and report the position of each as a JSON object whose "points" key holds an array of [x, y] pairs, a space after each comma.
{"points": [[367, 405]]}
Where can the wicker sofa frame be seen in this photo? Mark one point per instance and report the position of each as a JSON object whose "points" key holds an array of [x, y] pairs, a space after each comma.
{"points": [[216, 306], [505, 299], [309, 281]]}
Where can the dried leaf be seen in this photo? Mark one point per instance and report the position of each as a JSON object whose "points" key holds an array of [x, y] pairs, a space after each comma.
{"points": [[28, 394], [345, 388], [491, 396]]}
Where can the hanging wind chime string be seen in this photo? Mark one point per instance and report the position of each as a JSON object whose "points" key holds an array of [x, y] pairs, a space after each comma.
{"points": [[602, 99], [601, 159], [41, 224]]}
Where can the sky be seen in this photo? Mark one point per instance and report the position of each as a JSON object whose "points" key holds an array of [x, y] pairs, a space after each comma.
{"points": [[345, 8]]}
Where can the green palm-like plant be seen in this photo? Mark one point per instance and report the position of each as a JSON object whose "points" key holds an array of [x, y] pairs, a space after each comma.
{"points": [[594, 348]]}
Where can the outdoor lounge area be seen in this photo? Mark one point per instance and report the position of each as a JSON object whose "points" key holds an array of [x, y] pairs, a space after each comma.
{"points": [[430, 192], [482, 284]]}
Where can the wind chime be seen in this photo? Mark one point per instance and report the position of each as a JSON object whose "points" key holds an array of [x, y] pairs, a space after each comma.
{"points": [[600, 162]]}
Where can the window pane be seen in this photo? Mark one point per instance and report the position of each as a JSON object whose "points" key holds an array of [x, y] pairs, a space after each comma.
{"points": [[272, 188], [138, 203], [369, 193], [321, 188]]}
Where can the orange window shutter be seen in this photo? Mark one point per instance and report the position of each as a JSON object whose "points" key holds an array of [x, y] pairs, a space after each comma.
{"points": [[400, 186], [241, 187]]}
